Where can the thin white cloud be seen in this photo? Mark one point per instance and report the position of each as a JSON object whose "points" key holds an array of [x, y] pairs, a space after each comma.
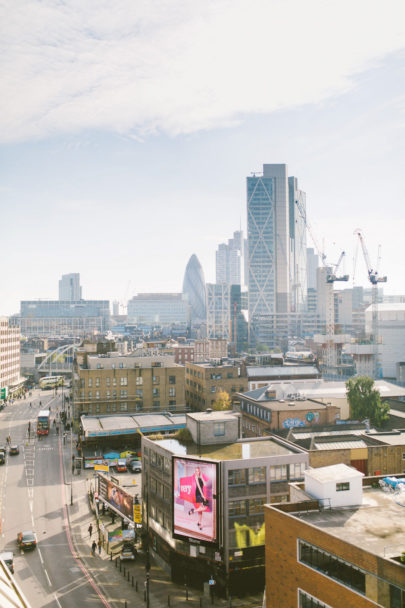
{"points": [[178, 66]]}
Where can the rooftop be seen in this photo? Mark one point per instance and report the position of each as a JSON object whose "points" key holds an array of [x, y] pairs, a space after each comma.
{"points": [[213, 415], [104, 426], [333, 472], [282, 370], [129, 362], [377, 525], [239, 450]]}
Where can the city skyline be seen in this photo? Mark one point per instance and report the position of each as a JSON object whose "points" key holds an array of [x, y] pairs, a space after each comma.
{"points": [[126, 136]]}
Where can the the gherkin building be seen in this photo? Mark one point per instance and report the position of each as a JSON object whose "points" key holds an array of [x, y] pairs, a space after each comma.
{"points": [[194, 288]]}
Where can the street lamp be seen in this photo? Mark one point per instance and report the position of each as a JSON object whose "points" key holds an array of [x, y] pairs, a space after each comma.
{"points": [[71, 471]]}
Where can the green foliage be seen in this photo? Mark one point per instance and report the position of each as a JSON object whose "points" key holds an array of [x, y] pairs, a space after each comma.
{"points": [[222, 402], [184, 436], [365, 401]]}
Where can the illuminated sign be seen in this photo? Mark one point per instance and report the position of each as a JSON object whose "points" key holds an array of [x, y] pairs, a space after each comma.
{"points": [[195, 499], [116, 497]]}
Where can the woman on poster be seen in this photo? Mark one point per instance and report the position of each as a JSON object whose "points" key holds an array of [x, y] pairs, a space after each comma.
{"points": [[199, 485]]}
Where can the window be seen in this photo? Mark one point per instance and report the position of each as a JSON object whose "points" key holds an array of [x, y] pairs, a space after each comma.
{"points": [[107, 395], [124, 381], [172, 380], [332, 566], [237, 508], [114, 381], [123, 406], [97, 381], [97, 394], [297, 470], [308, 601], [229, 375], [156, 392], [139, 392], [139, 381], [123, 393], [90, 394], [212, 389], [90, 382], [97, 408], [172, 402], [278, 472], [156, 364], [121, 365], [172, 391], [98, 365], [156, 379], [237, 477], [82, 383], [114, 394], [343, 487], [156, 403], [113, 407], [108, 381], [257, 475], [255, 505], [219, 429], [108, 407]]}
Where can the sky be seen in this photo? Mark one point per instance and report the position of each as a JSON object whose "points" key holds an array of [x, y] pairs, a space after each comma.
{"points": [[127, 131]]}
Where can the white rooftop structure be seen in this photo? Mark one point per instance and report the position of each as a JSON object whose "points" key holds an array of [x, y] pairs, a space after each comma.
{"points": [[337, 485]]}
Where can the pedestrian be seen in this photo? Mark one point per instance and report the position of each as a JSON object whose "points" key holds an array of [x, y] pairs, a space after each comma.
{"points": [[112, 517], [30, 404], [99, 546], [93, 547], [103, 509], [90, 530]]}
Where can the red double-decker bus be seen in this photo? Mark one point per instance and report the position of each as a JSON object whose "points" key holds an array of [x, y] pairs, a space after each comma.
{"points": [[43, 422]]}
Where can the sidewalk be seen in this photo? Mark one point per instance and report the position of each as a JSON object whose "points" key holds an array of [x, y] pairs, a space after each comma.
{"points": [[125, 588]]}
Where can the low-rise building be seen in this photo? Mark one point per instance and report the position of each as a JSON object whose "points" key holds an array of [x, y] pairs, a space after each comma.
{"points": [[337, 544], [263, 413], [204, 381], [260, 376], [218, 530], [109, 384]]}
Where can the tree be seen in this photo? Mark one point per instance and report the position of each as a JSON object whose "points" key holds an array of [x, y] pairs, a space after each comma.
{"points": [[222, 402], [365, 401]]}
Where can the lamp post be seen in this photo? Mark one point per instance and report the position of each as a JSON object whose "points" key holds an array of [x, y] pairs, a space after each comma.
{"points": [[71, 470]]}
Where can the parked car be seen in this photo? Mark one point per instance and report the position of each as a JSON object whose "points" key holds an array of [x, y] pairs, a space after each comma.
{"points": [[135, 466], [121, 465], [26, 540], [14, 450], [2, 457], [128, 551], [8, 559]]}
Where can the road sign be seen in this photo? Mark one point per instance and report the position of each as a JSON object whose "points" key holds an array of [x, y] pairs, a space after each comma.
{"points": [[138, 514], [102, 467]]}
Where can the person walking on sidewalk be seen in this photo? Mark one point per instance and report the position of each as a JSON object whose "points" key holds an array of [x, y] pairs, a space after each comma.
{"points": [[99, 546], [90, 530], [93, 548]]}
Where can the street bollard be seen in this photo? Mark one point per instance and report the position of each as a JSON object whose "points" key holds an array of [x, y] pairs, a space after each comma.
{"points": [[116, 562], [128, 575], [124, 573], [120, 565], [136, 585], [168, 600], [111, 556]]}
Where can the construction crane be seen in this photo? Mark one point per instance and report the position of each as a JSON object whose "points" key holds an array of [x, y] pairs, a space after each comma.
{"points": [[331, 277], [374, 278]]}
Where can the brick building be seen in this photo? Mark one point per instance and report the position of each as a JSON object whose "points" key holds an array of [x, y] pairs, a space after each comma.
{"points": [[205, 380], [9, 357], [346, 555], [111, 384]]}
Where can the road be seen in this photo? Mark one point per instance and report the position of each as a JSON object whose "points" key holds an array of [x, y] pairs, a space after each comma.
{"points": [[33, 496]]}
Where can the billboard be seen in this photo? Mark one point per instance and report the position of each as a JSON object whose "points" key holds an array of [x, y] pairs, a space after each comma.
{"points": [[121, 501], [195, 499]]}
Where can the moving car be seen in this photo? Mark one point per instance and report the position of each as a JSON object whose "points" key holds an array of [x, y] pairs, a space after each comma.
{"points": [[128, 551], [8, 559], [26, 540], [121, 465], [13, 450]]}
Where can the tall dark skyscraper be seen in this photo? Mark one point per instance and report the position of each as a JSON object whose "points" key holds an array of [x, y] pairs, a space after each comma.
{"points": [[194, 287]]}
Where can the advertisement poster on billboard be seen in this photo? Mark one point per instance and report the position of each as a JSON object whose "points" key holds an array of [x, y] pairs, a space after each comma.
{"points": [[116, 497], [195, 499]]}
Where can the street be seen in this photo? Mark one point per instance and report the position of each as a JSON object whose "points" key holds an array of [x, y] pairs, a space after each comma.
{"points": [[33, 496]]}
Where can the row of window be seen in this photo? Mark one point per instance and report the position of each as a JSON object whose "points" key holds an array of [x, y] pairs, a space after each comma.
{"points": [[123, 381], [346, 573], [280, 472], [109, 407], [255, 410]]}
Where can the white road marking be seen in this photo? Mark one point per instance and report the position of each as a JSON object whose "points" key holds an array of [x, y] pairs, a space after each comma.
{"points": [[56, 600], [31, 504], [32, 519], [40, 556], [49, 580]]}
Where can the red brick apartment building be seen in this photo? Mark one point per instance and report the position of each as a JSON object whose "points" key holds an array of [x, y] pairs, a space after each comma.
{"points": [[342, 556]]}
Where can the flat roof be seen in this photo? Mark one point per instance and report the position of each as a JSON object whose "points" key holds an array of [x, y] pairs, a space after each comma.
{"points": [[377, 525], [240, 450], [129, 362], [340, 445], [282, 370], [333, 472], [105, 426], [396, 437], [214, 415]]}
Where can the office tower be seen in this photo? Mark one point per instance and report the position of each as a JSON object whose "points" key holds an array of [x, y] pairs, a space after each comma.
{"points": [[218, 310], [229, 260], [268, 250], [312, 265], [69, 287], [194, 288], [298, 246], [45, 318], [9, 357], [162, 309]]}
